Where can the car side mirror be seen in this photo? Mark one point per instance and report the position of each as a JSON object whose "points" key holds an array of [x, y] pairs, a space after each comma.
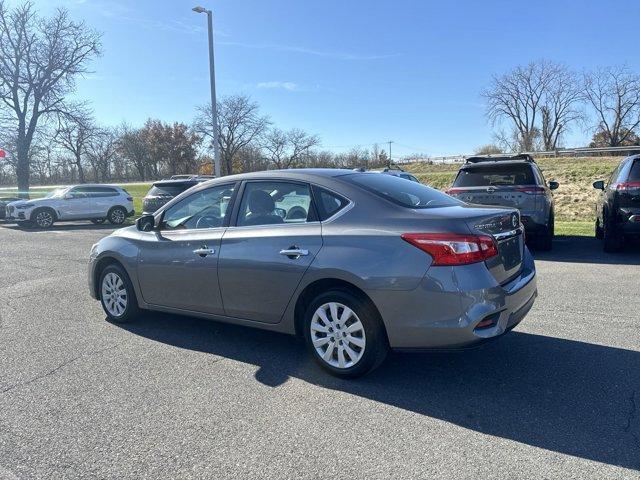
{"points": [[146, 223], [599, 185], [553, 185], [68, 196]]}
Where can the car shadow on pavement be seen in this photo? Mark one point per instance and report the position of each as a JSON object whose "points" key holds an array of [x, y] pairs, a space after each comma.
{"points": [[577, 249], [565, 396]]}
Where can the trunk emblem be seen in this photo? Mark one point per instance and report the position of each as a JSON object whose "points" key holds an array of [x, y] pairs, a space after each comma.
{"points": [[514, 220]]}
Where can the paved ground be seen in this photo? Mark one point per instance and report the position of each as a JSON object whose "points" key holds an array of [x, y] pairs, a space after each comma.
{"points": [[176, 397]]}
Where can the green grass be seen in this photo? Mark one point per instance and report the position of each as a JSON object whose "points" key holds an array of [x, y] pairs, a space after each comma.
{"points": [[574, 228]]}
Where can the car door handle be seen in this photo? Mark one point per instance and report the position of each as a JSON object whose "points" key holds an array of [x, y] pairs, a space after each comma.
{"points": [[294, 252], [203, 252]]}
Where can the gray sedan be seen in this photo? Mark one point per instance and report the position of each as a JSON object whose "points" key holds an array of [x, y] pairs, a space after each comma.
{"points": [[355, 263]]}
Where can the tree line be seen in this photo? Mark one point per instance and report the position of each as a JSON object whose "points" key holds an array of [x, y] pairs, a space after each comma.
{"points": [[52, 139], [534, 106]]}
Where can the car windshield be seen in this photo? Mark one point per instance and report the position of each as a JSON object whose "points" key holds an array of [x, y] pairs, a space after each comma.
{"points": [[401, 192], [486, 175], [57, 193], [170, 190]]}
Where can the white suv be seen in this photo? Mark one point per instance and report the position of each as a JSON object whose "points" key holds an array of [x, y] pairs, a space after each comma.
{"points": [[81, 202]]}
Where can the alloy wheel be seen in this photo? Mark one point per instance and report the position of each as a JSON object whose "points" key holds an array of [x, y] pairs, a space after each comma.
{"points": [[117, 216], [114, 294], [338, 335], [44, 219]]}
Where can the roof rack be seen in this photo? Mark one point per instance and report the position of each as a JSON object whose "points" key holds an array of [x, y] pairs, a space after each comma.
{"points": [[500, 158]]}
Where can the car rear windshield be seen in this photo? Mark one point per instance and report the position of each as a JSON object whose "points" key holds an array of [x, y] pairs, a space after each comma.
{"points": [[401, 192], [634, 173], [172, 189], [484, 175]]}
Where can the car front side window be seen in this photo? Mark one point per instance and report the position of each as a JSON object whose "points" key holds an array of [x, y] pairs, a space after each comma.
{"points": [[203, 209]]}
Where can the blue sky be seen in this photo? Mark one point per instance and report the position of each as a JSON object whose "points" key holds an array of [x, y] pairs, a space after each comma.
{"points": [[354, 72]]}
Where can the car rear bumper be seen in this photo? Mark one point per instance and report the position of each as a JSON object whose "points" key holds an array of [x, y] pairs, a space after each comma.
{"points": [[445, 310], [631, 222]]}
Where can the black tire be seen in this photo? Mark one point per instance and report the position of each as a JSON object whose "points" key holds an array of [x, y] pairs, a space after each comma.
{"points": [[376, 344], [546, 240], [43, 218], [117, 216], [599, 231], [98, 221], [131, 310], [611, 237]]}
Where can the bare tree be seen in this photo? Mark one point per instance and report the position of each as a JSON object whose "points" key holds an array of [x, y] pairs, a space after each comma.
{"points": [[286, 149], [40, 58], [74, 134], [132, 146], [561, 104], [239, 125], [538, 100], [614, 94], [101, 151]]}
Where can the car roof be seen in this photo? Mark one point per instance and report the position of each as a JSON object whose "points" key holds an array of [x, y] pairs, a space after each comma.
{"points": [[291, 173]]}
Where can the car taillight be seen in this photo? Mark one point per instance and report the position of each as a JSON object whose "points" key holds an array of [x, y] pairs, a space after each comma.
{"points": [[453, 248], [530, 190], [627, 185]]}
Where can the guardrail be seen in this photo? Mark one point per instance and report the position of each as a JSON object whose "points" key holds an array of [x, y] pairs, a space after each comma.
{"points": [[563, 152]]}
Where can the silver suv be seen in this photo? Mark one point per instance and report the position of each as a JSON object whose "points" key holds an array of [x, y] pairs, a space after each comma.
{"points": [[510, 181], [81, 202]]}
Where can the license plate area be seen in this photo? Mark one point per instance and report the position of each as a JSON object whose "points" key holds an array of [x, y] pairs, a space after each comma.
{"points": [[510, 252]]}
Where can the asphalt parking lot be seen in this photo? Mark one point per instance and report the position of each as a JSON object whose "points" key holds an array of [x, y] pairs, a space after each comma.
{"points": [[177, 397]]}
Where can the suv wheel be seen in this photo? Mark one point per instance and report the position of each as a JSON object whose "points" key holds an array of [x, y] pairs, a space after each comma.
{"points": [[599, 231], [117, 295], [546, 240], [612, 239], [43, 217], [344, 334], [117, 216]]}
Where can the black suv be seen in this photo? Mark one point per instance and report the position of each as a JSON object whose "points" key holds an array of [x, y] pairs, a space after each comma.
{"points": [[510, 181], [618, 208], [164, 190]]}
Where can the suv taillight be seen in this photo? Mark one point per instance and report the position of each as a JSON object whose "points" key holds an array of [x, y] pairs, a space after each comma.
{"points": [[627, 185], [453, 248], [530, 190]]}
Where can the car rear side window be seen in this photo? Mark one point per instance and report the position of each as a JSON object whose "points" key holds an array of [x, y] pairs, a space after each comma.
{"points": [[401, 192], [100, 192], [634, 172], [485, 175], [329, 203]]}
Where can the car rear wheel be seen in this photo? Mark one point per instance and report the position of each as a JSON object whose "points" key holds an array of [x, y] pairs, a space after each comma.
{"points": [[117, 295], [117, 216], [546, 240], [612, 239], [43, 217], [599, 231], [344, 334]]}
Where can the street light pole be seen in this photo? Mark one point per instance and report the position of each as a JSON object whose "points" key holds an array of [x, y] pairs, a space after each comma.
{"points": [[212, 78]]}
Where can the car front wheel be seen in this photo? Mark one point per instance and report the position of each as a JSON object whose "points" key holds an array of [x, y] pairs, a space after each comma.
{"points": [[117, 295], [43, 218], [344, 334]]}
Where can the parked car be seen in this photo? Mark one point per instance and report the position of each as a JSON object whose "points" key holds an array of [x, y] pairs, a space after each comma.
{"points": [[81, 202], [164, 190], [375, 262], [4, 201], [510, 181], [618, 207], [398, 172]]}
